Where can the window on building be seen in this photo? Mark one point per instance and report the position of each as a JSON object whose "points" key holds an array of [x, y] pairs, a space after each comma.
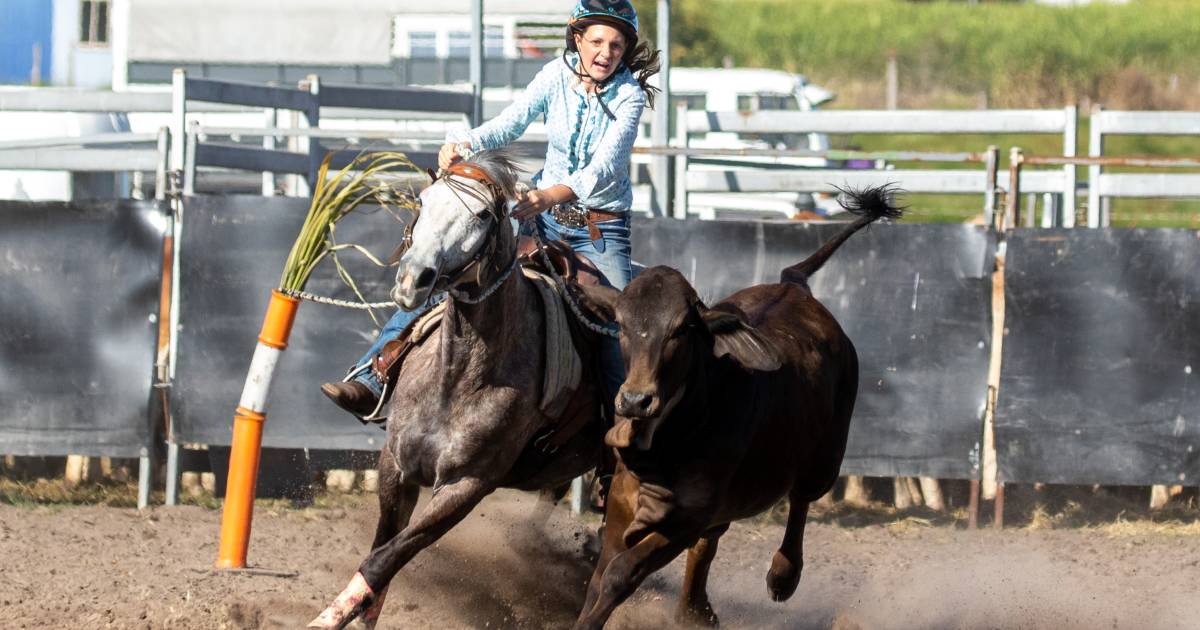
{"points": [[460, 44], [774, 102], [422, 44], [93, 22], [493, 40], [695, 102]]}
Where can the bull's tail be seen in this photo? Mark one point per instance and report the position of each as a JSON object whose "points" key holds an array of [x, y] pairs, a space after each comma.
{"points": [[869, 205]]}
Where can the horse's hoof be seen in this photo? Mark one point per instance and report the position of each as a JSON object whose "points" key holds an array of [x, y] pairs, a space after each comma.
{"points": [[356, 598]]}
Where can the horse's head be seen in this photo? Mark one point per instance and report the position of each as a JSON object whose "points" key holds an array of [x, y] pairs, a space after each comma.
{"points": [[462, 227]]}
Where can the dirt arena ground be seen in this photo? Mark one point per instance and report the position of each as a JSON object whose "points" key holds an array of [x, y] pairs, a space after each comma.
{"points": [[107, 567]]}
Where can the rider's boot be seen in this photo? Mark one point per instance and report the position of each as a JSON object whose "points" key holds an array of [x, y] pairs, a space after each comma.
{"points": [[352, 396]]}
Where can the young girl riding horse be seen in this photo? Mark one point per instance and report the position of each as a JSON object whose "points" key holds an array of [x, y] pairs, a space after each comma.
{"points": [[592, 100]]}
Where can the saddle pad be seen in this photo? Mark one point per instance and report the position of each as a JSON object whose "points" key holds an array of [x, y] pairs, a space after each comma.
{"points": [[564, 369]]}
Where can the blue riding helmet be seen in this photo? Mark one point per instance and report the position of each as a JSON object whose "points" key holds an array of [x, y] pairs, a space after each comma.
{"points": [[621, 10]]}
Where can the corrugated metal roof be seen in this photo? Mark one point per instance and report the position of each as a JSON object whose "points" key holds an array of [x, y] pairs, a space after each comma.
{"points": [[292, 31]]}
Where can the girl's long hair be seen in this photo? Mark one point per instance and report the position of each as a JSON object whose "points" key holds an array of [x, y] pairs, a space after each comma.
{"points": [[642, 59]]}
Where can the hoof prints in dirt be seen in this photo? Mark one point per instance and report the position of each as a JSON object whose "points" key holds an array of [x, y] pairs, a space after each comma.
{"points": [[498, 570]]}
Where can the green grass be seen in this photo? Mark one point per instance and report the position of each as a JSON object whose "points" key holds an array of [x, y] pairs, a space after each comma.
{"points": [[1140, 55], [958, 208], [1019, 54]]}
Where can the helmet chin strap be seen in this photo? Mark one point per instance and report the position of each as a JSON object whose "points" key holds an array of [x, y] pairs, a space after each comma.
{"points": [[585, 74]]}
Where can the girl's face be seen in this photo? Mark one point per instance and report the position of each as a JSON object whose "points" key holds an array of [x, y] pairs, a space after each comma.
{"points": [[601, 48]]}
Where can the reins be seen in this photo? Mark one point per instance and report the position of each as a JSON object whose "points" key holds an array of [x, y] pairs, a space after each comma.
{"points": [[495, 207]]}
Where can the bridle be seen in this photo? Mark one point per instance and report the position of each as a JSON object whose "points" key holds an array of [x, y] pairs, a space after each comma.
{"points": [[495, 210]]}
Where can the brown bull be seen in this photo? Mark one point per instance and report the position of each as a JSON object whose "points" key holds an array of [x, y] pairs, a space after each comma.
{"points": [[724, 411]]}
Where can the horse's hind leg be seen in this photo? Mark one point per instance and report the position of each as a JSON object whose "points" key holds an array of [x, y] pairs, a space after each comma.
{"points": [[788, 562], [449, 505], [546, 500], [694, 607]]}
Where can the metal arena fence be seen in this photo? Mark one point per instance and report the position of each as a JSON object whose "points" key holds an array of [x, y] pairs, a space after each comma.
{"points": [[1106, 404]]}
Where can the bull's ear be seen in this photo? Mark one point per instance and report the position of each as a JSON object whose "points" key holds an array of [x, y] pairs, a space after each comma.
{"points": [[734, 338], [598, 301]]}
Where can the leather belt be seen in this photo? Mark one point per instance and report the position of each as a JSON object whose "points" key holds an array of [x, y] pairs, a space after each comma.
{"points": [[576, 216]]}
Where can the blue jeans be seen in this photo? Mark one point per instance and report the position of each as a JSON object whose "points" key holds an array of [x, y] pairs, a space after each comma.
{"points": [[611, 255]]}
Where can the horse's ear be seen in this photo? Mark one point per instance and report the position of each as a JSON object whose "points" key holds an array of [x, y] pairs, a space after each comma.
{"points": [[600, 302], [738, 340]]}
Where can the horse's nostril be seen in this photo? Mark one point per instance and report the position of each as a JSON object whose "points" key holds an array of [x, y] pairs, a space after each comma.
{"points": [[426, 278]]}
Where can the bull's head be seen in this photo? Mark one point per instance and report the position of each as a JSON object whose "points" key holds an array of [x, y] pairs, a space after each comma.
{"points": [[666, 333]]}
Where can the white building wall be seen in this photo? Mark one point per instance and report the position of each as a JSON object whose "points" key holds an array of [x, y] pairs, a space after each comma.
{"points": [[65, 37], [74, 64]]}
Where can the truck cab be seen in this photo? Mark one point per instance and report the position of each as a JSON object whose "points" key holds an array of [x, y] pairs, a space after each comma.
{"points": [[753, 90]]}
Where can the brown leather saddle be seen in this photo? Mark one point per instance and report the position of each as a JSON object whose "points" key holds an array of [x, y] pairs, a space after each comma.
{"points": [[568, 264]]}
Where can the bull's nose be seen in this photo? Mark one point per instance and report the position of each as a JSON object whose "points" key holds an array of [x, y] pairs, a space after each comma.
{"points": [[631, 403]]}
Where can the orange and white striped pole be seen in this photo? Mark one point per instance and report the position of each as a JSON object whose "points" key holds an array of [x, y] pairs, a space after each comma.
{"points": [[247, 431]]}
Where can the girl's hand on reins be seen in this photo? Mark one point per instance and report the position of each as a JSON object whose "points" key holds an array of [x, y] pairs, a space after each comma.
{"points": [[536, 202], [450, 153]]}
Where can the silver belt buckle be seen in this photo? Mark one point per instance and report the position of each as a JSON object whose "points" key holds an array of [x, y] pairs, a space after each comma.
{"points": [[570, 215]]}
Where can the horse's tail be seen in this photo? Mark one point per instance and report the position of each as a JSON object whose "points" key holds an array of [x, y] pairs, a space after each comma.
{"points": [[869, 205]]}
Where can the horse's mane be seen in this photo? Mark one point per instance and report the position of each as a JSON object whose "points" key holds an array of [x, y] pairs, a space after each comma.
{"points": [[500, 165]]}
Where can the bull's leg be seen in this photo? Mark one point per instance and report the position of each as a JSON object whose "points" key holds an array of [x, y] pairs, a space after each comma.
{"points": [[788, 562], [618, 514], [626, 572], [612, 545], [694, 607], [449, 505], [396, 503]]}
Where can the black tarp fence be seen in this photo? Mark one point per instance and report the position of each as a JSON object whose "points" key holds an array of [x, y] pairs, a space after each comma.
{"points": [[1099, 360], [1099, 382], [232, 250], [914, 299], [79, 296]]}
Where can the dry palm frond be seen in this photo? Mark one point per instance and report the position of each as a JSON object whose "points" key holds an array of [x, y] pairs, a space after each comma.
{"points": [[334, 198]]}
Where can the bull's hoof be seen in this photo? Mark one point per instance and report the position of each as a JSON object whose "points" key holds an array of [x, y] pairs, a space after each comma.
{"points": [[356, 598], [697, 615], [783, 578]]}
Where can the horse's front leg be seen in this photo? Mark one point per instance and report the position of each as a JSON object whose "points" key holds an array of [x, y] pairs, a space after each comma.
{"points": [[449, 505], [396, 502]]}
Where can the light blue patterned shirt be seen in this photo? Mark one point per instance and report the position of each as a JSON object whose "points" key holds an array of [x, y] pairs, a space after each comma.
{"points": [[588, 151]]}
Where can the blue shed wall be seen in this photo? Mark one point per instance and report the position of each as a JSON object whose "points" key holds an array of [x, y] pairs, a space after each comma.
{"points": [[24, 23]]}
